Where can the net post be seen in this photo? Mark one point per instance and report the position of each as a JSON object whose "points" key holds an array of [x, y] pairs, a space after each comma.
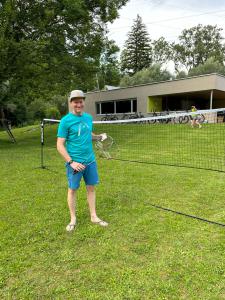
{"points": [[42, 140], [42, 144]]}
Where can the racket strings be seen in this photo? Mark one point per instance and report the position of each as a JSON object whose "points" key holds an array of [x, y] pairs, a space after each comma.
{"points": [[104, 146]]}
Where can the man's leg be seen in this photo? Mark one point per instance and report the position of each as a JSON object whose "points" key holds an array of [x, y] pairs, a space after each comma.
{"points": [[199, 125], [73, 185], [71, 198], [91, 198]]}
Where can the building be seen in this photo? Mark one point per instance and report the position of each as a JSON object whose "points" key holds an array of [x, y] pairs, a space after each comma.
{"points": [[205, 92]]}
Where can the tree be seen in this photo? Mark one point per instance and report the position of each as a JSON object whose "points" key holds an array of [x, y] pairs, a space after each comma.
{"points": [[136, 54], [49, 47], [210, 66], [109, 72], [151, 74], [198, 44], [161, 51]]}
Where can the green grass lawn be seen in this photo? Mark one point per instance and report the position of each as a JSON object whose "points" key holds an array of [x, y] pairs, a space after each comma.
{"points": [[144, 253]]}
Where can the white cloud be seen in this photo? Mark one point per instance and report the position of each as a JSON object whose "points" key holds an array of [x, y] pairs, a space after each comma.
{"points": [[201, 4], [167, 17]]}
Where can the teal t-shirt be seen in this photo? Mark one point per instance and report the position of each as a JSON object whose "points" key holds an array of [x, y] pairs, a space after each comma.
{"points": [[77, 130]]}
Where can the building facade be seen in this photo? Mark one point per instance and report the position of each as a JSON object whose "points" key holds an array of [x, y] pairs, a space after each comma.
{"points": [[205, 92]]}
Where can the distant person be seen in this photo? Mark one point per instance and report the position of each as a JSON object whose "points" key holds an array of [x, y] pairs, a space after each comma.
{"points": [[74, 143], [194, 118]]}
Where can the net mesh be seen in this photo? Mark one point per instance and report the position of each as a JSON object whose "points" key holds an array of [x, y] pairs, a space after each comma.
{"points": [[195, 140]]}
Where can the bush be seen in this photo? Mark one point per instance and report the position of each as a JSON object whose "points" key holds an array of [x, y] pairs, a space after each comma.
{"points": [[52, 112], [36, 110], [151, 74], [61, 103], [210, 66]]}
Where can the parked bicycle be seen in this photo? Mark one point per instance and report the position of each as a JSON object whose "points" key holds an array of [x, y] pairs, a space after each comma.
{"points": [[125, 116], [172, 119], [185, 119], [161, 120], [152, 114], [136, 115], [109, 117]]}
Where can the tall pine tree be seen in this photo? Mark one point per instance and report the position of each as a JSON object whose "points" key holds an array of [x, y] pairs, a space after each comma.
{"points": [[137, 53]]}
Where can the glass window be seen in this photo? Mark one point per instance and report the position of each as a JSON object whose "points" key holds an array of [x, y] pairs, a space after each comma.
{"points": [[118, 106], [134, 105], [123, 106], [107, 107]]}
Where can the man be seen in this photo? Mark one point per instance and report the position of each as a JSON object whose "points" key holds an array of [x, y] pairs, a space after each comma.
{"points": [[74, 143], [194, 118]]}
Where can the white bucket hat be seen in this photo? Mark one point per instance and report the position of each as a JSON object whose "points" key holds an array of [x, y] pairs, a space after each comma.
{"points": [[76, 94]]}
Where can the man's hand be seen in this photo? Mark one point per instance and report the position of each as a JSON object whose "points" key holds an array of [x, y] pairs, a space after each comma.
{"points": [[99, 137], [102, 137], [77, 166]]}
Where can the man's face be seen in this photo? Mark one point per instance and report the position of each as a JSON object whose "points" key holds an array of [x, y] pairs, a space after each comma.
{"points": [[77, 105]]}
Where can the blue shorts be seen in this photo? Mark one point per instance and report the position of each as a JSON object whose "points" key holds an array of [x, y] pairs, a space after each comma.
{"points": [[90, 175]]}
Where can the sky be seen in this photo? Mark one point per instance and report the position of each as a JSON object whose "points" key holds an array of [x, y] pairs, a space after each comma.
{"points": [[167, 18]]}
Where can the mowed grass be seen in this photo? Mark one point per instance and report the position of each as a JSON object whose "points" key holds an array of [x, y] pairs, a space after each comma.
{"points": [[144, 253]]}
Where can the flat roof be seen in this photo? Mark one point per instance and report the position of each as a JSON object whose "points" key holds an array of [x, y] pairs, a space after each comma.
{"points": [[175, 83]]}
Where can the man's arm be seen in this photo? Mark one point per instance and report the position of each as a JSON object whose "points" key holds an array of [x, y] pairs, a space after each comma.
{"points": [[62, 150], [99, 137], [96, 137]]}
